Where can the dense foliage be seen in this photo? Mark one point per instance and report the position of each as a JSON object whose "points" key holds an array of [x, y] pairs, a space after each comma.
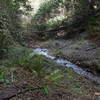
{"points": [[10, 18], [74, 15]]}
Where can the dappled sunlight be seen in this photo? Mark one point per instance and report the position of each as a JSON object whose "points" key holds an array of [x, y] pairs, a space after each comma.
{"points": [[57, 19], [35, 4]]}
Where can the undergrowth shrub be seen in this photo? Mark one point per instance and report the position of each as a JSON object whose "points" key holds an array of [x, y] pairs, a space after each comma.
{"points": [[5, 36], [36, 64], [59, 52], [5, 74], [94, 27], [25, 58]]}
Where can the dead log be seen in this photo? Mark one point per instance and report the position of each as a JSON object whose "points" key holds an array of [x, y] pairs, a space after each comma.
{"points": [[11, 95]]}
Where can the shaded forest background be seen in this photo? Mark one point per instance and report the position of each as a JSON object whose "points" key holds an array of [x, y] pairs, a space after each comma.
{"points": [[69, 17]]}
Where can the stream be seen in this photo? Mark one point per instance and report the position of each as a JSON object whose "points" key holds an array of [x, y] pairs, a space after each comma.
{"points": [[68, 64]]}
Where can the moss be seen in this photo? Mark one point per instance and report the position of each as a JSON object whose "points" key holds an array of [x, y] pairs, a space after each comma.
{"points": [[97, 66], [59, 52]]}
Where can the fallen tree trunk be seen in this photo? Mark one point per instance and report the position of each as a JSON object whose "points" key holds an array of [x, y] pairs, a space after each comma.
{"points": [[74, 27]]}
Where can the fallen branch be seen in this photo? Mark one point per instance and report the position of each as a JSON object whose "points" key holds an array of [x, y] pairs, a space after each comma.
{"points": [[76, 24], [91, 48], [16, 94]]}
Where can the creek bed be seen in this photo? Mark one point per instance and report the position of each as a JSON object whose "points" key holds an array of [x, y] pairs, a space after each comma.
{"points": [[68, 64]]}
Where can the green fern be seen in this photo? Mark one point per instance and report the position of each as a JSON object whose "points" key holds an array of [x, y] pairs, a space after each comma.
{"points": [[59, 52], [55, 76]]}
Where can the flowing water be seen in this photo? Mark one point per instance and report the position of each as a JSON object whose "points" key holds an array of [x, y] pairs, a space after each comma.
{"points": [[68, 64]]}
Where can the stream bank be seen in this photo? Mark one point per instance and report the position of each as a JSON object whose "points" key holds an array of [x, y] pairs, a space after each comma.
{"points": [[81, 52], [68, 64]]}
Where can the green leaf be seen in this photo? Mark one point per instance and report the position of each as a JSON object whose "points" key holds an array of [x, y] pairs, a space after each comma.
{"points": [[46, 90]]}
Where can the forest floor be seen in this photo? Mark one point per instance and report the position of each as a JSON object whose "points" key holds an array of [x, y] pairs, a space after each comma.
{"points": [[72, 87]]}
